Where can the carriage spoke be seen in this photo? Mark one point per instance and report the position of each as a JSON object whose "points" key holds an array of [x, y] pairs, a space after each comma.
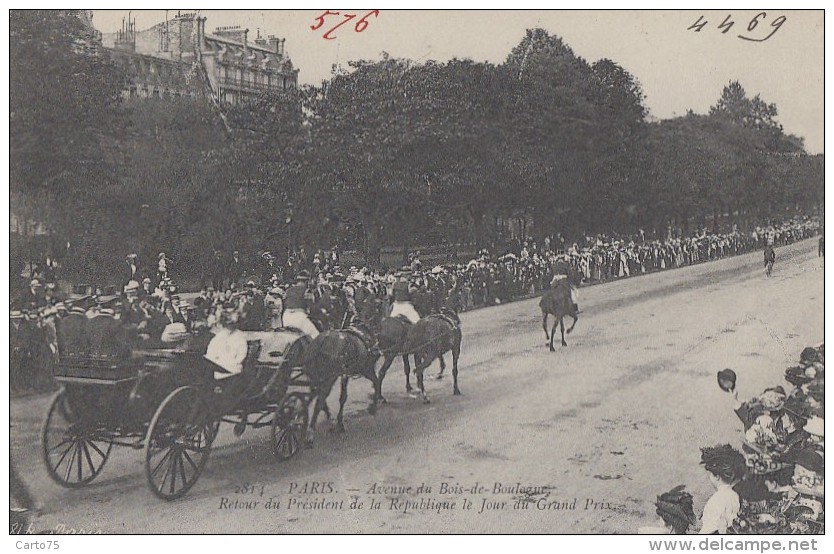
{"points": [[80, 463], [64, 455], [74, 448], [292, 442], [60, 444], [165, 476], [182, 469], [190, 460], [281, 442], [162, 461], [173, 467], [88, 458], [96, 448]]}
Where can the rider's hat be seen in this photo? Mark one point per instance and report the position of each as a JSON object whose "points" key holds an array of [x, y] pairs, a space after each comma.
{"points": [[132, 286], [303, 275]]}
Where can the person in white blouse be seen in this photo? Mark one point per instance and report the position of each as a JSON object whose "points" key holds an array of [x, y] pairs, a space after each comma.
{"points": [[228, 349], [726, 467]]}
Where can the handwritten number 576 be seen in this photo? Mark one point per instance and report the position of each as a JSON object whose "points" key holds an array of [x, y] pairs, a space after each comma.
{"points": [[360, 25]]}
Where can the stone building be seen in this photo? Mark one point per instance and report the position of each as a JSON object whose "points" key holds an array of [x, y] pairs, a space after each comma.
{"points": [[178, 58]]}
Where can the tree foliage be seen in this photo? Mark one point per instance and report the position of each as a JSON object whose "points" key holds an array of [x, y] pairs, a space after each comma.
{"points": [[389, 152]]}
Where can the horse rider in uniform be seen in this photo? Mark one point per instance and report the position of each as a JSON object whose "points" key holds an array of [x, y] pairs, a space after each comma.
{"points": [[769, 257], [563, 270], [295, 306], [402, 302]]}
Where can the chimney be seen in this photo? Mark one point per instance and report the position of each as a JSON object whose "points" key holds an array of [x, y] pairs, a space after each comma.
{"points": [[276, 44], [126, 36], [232, 33], [201, 33]]}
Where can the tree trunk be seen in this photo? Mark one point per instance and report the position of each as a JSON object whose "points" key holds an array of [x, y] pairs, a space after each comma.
{"points": [[478, 234], [372, 246]]}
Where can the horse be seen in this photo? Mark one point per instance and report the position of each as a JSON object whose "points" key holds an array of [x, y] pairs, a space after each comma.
{"points": [[429, 339], [557, 302], [341, 354], [391, 336]]}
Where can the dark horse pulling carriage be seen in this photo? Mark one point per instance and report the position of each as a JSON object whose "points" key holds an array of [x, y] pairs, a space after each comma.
{"points": [[164, 401], [353, 351]]}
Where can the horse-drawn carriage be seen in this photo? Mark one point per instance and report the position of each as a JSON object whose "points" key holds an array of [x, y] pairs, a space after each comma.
{"points": [[164, 401]]}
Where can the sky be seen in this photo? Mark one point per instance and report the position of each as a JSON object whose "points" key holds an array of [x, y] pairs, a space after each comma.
{"points": [[679, 69]]}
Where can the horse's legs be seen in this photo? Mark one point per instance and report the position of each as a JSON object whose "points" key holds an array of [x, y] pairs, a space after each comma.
{"points": [[321, 404], [572, 325], [553, 333], [421, 367], [562, 328], [544, 326], [442, 367], [455, 356], [389, 359], [407, 370], [340, 425], [418, 360], [377, 383]]}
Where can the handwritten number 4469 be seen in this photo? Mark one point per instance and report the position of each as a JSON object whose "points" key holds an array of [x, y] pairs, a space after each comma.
{"points": [[728, 24], [360, 25]]}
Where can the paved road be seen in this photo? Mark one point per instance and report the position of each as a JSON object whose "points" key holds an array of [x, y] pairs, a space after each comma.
{"points": [[581, 440]]}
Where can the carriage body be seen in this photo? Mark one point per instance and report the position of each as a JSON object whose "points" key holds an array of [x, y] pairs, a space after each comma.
{"points": [[272, 391], [164, 400]]}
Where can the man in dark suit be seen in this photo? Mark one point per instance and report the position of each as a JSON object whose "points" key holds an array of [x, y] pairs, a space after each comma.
{"points": [[235, 269], [218, 271], [33, 297], [133, 273]]}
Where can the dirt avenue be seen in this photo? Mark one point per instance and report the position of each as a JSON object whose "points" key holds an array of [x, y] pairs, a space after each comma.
{"points": [[577, 441]]}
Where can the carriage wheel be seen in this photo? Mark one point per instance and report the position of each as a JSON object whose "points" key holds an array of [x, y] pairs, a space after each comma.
{"points": [[178, 443], [289, 425], [74, 455]]}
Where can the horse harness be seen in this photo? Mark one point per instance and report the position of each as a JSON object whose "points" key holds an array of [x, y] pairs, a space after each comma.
{"points": [[371, 344], [447, 318]]}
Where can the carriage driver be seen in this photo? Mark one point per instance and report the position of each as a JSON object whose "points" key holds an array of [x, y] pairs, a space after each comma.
{"points": [[295, 306], [402, 304]]}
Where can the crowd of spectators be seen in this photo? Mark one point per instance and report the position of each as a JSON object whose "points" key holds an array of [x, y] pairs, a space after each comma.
{"points": [[775, 483], [153, 302]]}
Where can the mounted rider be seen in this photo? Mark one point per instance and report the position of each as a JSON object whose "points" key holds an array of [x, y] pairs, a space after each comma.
{"points": [[402, 298], [296, 305], [769, 256], [562, 270]]}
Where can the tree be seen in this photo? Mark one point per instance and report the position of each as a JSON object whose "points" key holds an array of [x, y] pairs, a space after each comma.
{"points": [[63, 105]]}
